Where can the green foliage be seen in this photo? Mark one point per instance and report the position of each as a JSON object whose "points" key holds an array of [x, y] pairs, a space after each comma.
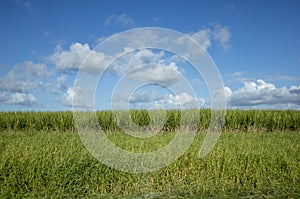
{"points": [[54, 121], [140, 117], [55, 164], [236, 120], [262, 120]]}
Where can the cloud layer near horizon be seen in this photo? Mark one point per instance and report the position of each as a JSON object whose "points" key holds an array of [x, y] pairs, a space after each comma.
{"points": [[259, 93]]}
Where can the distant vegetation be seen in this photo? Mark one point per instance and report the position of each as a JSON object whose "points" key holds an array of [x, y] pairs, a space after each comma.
{"points": [[236, 120]]}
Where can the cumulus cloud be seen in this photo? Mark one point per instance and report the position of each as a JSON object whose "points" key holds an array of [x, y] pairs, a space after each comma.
{"points": [[34, 70], [78, 98], [79, 55], [222, 36], [295, 90], [135, 59], [147, 66], [68, 96], [22, 99], [16, 86], [167, 101], [23, 77], [12, 84], [161, 74], [228, 92], [62, 82], [144, 65], [144, 97], [263, 93], [203, 37], [184, 100], [122, 20]]}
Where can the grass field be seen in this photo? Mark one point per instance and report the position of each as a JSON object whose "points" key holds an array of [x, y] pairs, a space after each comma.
{"points": [[249, 162], [235, 121]]}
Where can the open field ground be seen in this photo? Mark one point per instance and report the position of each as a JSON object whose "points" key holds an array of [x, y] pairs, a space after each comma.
{"points": [[40, 160]]}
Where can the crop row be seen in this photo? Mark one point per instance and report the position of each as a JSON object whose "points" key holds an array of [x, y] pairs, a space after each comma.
{"points": [[170, 120]]}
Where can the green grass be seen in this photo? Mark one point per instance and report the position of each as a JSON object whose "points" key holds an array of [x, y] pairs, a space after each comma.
{"points": [[235, 121], [54, 164]]}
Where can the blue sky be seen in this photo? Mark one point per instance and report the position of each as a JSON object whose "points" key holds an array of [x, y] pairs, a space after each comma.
{"points": [[254, 44]]}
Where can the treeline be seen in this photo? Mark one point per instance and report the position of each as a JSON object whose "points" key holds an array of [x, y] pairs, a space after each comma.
{"points": [[235, 120]]}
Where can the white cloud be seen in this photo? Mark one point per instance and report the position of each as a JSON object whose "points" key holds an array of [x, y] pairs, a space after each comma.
{"points": [[135, 59], [147, 66], [144, 56], [262, 93], [95, 62], [78, 98], [165, 101], [239, 77], [71, 59], [24, 77], [222, 36], [228, 92], [143, 65], [203, 37], [19, 99], [122, 20], [62, 82], [161, 74], [207, 36], [22, 99], [21, 80], [139, 63], [185, 100], [68, 96], [13, 84], [295, 90], [137, 38], [36, 70], [79, 55]]}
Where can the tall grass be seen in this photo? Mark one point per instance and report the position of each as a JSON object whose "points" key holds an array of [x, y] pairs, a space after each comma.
{"points": [[40, 157], [242, 165], [236, 120], [62, 121]]}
